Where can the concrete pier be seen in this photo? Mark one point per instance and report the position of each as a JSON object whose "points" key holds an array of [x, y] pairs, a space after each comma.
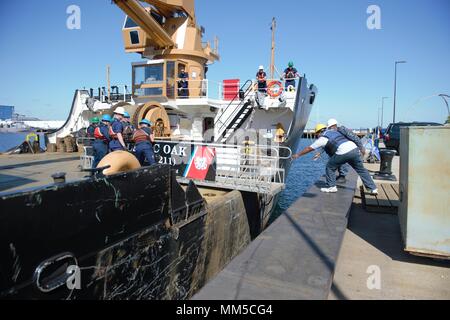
{"points": [[295, 257], [373, 240]]}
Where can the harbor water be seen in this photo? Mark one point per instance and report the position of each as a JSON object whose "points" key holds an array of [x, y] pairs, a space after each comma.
{"points": [[303, 174]]}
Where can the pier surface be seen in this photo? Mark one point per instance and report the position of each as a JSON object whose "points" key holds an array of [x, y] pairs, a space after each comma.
{"points": [[373, 239], [326, 246], [295, 257], [31, 170]]}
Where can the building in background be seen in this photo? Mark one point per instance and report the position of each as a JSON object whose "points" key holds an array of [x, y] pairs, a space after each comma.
{"points": [[6, 112]]}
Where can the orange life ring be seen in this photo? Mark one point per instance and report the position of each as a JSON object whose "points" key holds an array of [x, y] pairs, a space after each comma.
{"points": [[274, 89]]}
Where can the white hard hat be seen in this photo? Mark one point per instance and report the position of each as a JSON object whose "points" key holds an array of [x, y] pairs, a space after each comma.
{"points": [[120, 110], [261, 68], [332, 122]]}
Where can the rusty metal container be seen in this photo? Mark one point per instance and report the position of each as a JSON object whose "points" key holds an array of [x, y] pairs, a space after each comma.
{"points": [[424, 211]]}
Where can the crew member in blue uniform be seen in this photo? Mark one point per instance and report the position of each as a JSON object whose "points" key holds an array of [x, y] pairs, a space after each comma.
{"points": [[93, 124], [183, 84], [144, 138], [261, 77], [116, 130], [102, 139], [289, 75], [341, 150]]}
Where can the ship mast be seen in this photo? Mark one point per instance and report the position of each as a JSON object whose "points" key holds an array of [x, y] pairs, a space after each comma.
{"points": [[272, 59], [108, 81]]}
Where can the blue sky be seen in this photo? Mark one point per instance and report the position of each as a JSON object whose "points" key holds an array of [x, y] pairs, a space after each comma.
{"points": [[42, 62]]}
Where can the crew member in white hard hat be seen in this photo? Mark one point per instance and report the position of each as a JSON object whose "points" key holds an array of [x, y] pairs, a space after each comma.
{"points": [[261, 77], [116, 130], [339, 145]]}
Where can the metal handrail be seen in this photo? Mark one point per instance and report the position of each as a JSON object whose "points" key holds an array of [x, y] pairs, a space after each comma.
{"points": [[232, 146], [249, 168]]}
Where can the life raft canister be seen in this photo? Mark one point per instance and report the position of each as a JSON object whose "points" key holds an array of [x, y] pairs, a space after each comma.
{"points": [[274, 89]]}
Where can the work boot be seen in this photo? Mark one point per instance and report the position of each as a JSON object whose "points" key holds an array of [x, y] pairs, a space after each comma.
{"points": [[341, 179], [329, 190]]}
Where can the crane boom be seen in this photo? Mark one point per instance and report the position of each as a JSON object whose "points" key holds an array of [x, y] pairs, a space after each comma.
{"points": [[169, 7], [148, 24]]}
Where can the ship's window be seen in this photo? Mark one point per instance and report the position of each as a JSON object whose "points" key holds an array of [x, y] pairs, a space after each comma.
{"points": [[130, 23], [145, 92], [157, 17], [148, 74], [134, 36], [170, 81]]}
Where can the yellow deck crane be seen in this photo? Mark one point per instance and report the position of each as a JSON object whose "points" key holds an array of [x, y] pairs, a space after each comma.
{"points": [[167, 34]]}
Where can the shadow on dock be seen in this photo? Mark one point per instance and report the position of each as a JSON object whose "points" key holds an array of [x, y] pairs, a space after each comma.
{"points": [[36, 163], [384, 234], [9, 181]]}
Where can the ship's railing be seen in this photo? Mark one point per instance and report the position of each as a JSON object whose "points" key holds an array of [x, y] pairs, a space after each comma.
{"points": [[252, 168], [247, 167], [215, 90], [196, 89], [117, 93]]}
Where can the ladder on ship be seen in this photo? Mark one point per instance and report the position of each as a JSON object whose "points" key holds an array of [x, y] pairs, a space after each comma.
{"points": [[229, 122]]}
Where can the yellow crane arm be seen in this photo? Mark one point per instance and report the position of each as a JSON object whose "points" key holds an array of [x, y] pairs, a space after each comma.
{"points": [[148, 24], [168, 7]]}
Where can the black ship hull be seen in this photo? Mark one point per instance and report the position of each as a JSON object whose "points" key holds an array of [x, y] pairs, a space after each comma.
{"points": [[136, 235]]}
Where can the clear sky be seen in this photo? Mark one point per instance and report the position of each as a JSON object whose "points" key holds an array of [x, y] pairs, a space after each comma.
{"points": [[42, 62]]}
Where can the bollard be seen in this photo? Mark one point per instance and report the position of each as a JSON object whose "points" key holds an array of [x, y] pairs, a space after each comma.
{"points": [[385, 172], [59, 177]]}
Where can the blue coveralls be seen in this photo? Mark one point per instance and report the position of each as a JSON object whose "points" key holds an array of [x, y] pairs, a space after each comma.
{"points": [[114, 144], [290, 73], [183, 85], [144, 150], [100, 146], [262, 84], [90, 131]]}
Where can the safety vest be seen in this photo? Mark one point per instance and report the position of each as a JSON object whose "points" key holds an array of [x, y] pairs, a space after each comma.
{"points": [[99, 135], [335, 139], [140, 135], [90, 130], [128, 131], [113, 134], [261, 76], [290, 73]]}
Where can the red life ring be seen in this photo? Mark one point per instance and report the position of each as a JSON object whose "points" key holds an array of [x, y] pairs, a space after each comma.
{"points": [[274, 89]]}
